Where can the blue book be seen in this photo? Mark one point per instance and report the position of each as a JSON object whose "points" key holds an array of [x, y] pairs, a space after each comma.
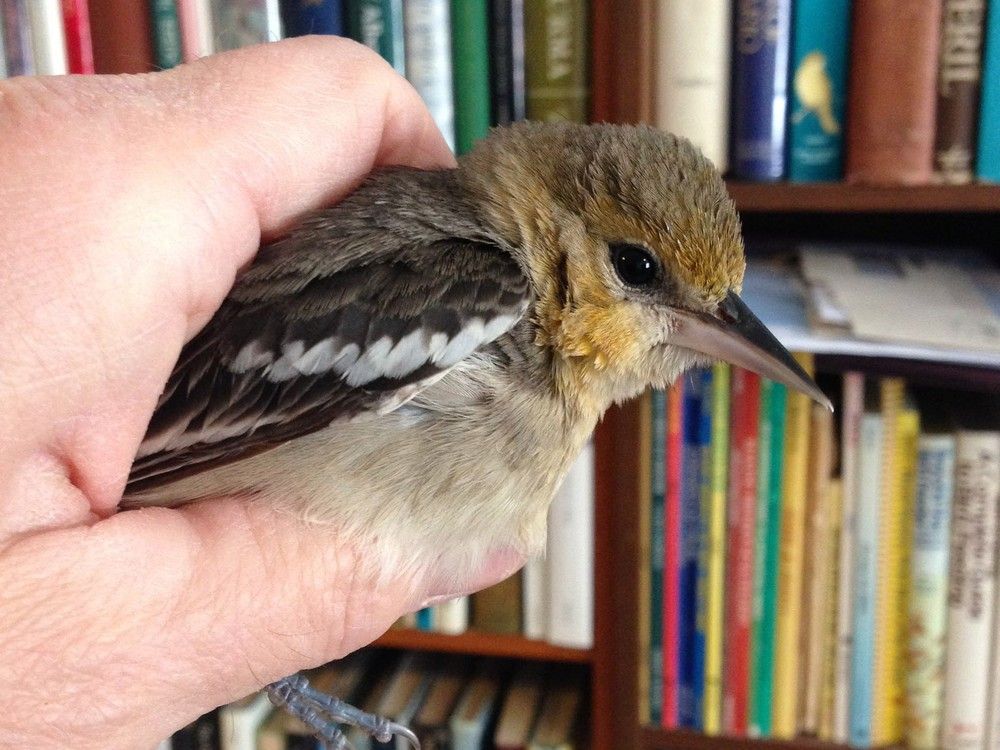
{"points": [[819, 90], [302, 17], [691, 642], [988, 161], [761, 54], [658, 404], [425, 619]]}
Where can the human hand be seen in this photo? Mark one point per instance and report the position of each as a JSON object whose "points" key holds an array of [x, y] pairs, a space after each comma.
{"points": [[129, 204]]}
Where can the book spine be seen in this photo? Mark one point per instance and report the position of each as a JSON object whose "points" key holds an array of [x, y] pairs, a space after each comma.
{"points": [[76, 27], [427, 29], [425, 619], [658, 407], [556, 60], [3, 51], [196, 28], [693, 49], [533, 601], [850, 439], [865, 577], [928, 606], [302, 17], [773, 420], [891, 556], [762, 34], [378, 24], [789, 619], [819, 90], [741, 518], [959, 64], [241, 23], [571, 557], [48, 40], [452, 616], [988, 156], [828, 687], [508, 92], [890, 118], [470, 56], [166, 28], [987, 463], [971, 584], [691, 670], [19, 58], [673, 538], [714, 553]]}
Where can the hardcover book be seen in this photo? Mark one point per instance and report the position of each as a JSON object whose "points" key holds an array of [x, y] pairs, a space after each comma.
{"points": [[121, 35], [302, 17], [470, 58], [508, 92], [378, 24], [427, 29], [988, 157], [166, 34], [556, 59]]}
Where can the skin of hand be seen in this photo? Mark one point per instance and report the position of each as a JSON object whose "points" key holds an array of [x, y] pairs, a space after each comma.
{"points": [[129, 204]]}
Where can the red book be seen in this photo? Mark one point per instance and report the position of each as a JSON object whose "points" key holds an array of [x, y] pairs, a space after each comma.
{"points": [[79, 47], [121, 35], [673, 461], [741, 524]]}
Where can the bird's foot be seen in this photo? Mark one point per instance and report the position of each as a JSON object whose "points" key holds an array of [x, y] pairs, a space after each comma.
{"points": [[322, 713]]}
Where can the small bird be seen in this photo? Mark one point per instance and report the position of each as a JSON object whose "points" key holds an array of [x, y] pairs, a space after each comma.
{"points": [[421, 363]]}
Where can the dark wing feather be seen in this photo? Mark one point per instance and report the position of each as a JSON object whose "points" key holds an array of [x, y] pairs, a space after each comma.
{"points": [[303, 341]]}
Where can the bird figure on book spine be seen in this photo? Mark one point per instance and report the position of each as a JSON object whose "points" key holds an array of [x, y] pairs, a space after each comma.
{"points": [[418, 365]]}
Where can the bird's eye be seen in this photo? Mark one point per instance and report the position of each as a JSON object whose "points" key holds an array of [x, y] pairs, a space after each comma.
{"points": [[634, 265]]}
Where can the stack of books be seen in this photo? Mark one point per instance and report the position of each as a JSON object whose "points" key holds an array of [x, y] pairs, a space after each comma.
{"points": [[450, 703]]}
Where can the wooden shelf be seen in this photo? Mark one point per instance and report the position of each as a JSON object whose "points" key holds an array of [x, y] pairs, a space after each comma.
{"points": [[478, 643], [843, 198], [653, 738]]}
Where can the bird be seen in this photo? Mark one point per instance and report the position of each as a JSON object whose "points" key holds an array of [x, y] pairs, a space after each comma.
{"points": [[420, 363]]}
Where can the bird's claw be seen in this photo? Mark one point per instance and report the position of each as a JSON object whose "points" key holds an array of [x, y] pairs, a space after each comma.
{"points": [[322, 713]]}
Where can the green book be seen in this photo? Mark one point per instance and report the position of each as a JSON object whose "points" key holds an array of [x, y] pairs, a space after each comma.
{"points": [[470, 45], [556, 59], [378, 24], [166, 33], [767, 539]]}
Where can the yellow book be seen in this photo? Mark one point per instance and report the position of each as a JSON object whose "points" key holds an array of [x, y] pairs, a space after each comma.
{"points": [[829, 669], [793, 508], [899, 446], [714, 506]]}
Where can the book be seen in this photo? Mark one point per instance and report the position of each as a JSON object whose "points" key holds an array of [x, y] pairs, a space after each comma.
{"points": [[470, 48], [767, 541], [741, 518], [712, 561], [657, 544], [672, 550], [556, 59], [19, 60], [200, 734], [928, 605], [166, 29], [828, 685], [534, 607], [520, 708], [404, 695], [570, 557], [560, 712], [427, 41], [988, 152], [76, 28], [693, 50], [643, 615], [497, 609], [957, 107], [971, 587], [986, 466], [761, 42], [378, 24], [241, 23], [302, 17], [431, 722], [508, 92], [476, 708], [787, 690], [865, 584], [425, 618], [890, 104], [239, 722], [452, 616], [195, 18], [48, 37], [820, 40], [852, 409]]}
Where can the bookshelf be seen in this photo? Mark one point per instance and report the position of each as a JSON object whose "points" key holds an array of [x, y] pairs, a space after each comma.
{"points": [[832, 198], [479, 643]]}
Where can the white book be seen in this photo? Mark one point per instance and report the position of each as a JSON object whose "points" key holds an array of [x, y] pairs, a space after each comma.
{"points": [[692, 73], [3, 52], [241, 23], [195, 17], [986, 461], [48, 37], [452, 616], [534, 598], [427, 40], [971, 583], [165, 745], [570, 557], [239, 722]]}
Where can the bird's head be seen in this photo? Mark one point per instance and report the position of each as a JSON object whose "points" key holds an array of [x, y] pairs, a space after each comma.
{"points": [[634, 250]]}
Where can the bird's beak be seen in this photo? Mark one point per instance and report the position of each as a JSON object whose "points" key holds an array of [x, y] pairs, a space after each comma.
{"points": [[736, 335]]}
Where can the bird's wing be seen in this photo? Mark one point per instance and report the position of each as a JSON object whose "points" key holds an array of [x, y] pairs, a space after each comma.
{"points": [[303, 341]]}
